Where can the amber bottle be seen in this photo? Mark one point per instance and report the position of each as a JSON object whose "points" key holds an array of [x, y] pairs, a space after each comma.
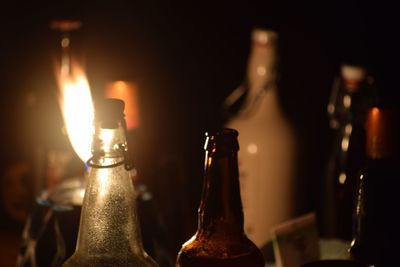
{"points": [[376, 231], [220, 239]]}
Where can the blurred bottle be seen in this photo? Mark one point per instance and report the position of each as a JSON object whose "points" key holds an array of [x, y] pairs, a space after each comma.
{"points": [[376, 226], [351, 96], [267, 160], [109, 231], [220, 239]]}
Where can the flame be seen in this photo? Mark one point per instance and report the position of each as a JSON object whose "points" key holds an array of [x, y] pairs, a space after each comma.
{"points": [[77, 108]]}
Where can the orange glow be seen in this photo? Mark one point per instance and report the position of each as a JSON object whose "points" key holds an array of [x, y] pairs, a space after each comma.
{"points": [[373, 123], [126, 91], [378, 131], [375, 111], [76, 104]]}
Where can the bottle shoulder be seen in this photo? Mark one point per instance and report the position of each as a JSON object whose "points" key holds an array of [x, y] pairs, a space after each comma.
{"points": [[215, 246], [264, 133], [196, 254], [264, 104]]}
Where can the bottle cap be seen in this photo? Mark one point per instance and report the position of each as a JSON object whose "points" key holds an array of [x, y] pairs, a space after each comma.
{"points": [[264, 37], [352, 76], [109, 110]]}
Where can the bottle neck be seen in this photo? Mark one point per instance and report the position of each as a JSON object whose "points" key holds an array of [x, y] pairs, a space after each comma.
{"points": [[109, 141], [220, 210], [351, 86], [261, 70]]}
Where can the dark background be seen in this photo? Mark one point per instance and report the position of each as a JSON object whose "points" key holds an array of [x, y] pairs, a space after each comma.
{"points": [[186, 58]]}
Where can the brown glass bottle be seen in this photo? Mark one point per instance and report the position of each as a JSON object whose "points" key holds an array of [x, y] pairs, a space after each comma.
{"points": [[376, 231], [220, 239]]}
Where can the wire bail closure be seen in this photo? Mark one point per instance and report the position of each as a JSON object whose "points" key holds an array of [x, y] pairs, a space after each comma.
{"points": [[126, 161]]}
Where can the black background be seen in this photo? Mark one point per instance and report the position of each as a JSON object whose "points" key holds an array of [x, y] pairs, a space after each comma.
{"points": [[186, 58]]}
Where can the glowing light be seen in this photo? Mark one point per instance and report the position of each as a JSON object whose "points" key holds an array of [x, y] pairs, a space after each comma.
{"points": [[261, 70], [106, 137], [252, 148], [331, 108], [76, 104], [375, 111], [65, 42], [342, 178], [345, 143], [347, 101], [104, 181], [348, 129]]}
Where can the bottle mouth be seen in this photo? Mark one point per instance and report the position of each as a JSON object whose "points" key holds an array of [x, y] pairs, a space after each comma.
{"points": [[264, 37], [353, 76], [222, 132], [353, 72], [224, 139]]}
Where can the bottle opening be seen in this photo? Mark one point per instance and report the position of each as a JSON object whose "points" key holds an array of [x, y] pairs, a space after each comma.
{"points": [[264, 37], [353, 76], [223, 139]]}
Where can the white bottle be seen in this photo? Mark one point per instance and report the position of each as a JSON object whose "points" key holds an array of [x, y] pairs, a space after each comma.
{"points": [[267, 154]]}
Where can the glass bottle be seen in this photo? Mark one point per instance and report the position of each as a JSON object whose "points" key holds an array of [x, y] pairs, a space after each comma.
{"points": [[351, 96], [267, 160], [220, 239], [376, 226], [109, 232]]}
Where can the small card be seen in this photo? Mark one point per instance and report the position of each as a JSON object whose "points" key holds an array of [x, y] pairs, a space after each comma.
{"points": [[295, 242]]}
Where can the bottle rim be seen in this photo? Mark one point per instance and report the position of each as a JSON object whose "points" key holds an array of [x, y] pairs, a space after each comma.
{"points": [[264, 37], [221, 139]]}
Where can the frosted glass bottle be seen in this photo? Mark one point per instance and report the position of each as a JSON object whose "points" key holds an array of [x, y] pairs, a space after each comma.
{"points": [[109, 231], [267, 157]]}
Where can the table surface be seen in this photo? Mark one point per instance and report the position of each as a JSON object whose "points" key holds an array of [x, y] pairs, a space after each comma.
{"points": [[10, 239], [329, 249]]}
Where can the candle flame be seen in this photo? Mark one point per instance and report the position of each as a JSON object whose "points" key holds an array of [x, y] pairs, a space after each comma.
{"points": [[77, 108]]}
